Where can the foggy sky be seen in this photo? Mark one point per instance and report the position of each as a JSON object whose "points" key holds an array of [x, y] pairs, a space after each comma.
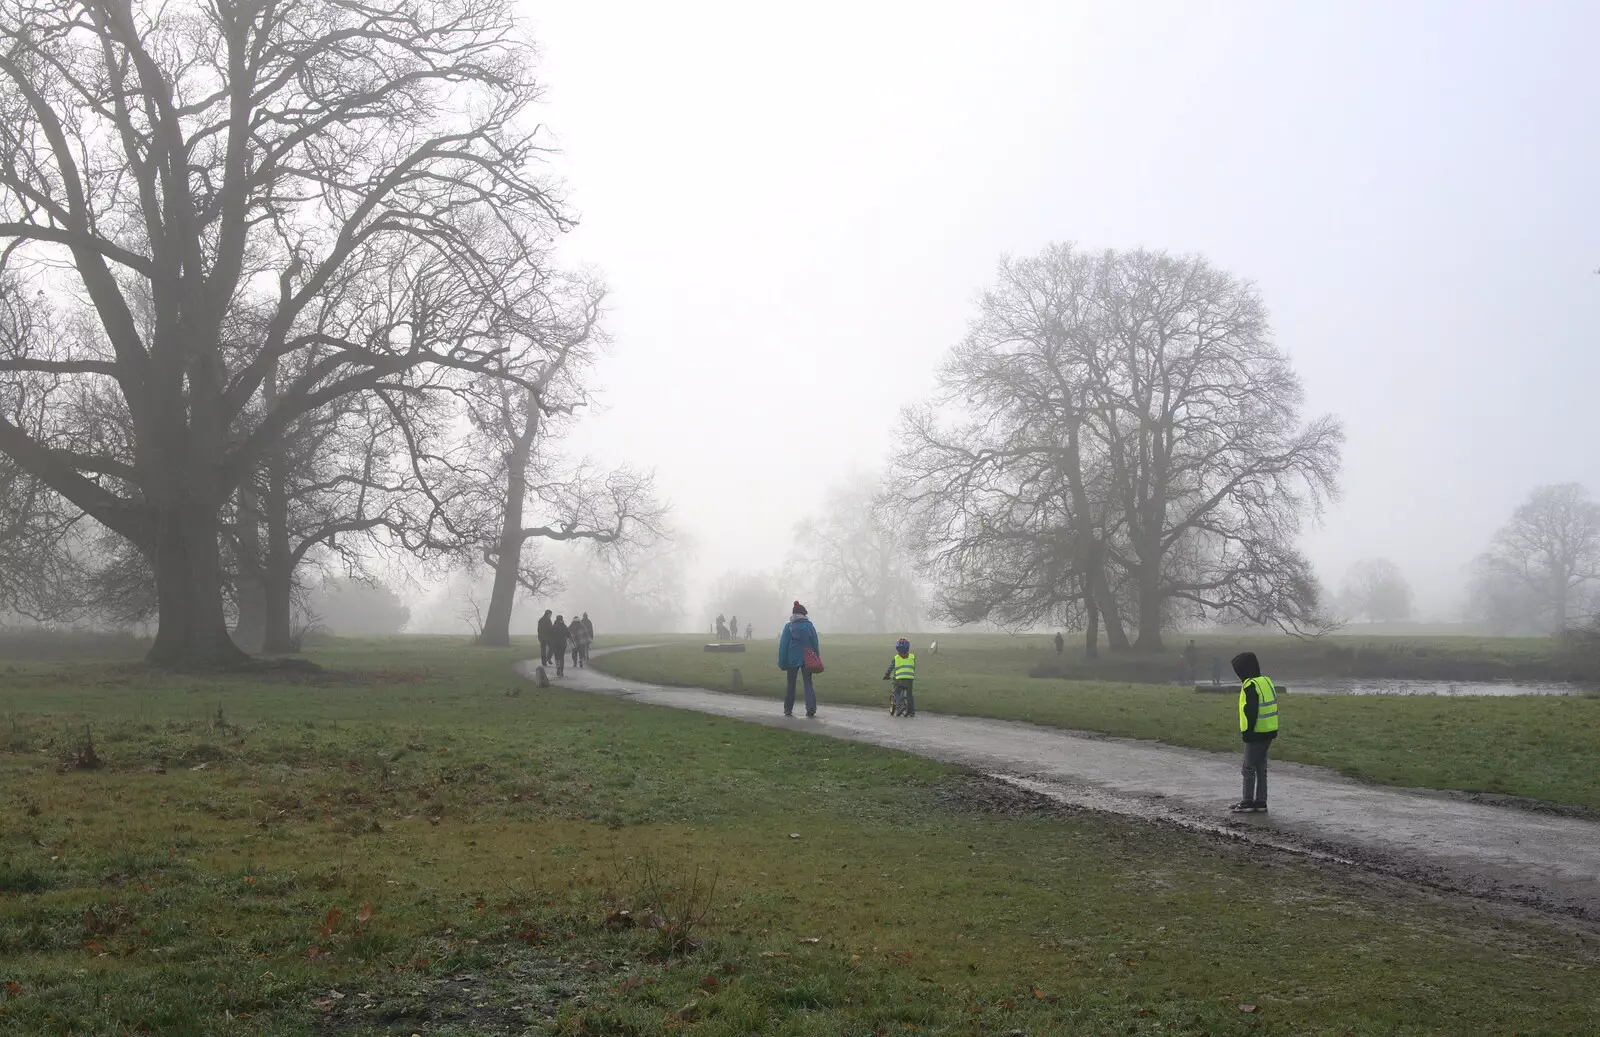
{"points": [[796, 205]]}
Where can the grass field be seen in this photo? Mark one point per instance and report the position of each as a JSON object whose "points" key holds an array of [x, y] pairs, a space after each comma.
{"points": [[419, 843], [1542, 748]]}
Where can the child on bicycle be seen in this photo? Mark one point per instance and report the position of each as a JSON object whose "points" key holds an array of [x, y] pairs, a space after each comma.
{"points": [[903, 671]]}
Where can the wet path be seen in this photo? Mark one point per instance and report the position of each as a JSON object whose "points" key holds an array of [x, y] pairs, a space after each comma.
{"points": [[1545, 861]]}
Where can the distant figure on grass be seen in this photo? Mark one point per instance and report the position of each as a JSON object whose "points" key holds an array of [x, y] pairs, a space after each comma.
{"points": [[722, 627], [903, 671], [798, 636], [733, 628], [1061, 643], [1191, 659], [544, 638], [558, 644], [1216, 671], [1258, 724], [749, 632]]}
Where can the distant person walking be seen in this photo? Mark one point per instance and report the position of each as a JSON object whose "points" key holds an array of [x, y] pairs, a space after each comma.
{"points": [[733, 628], [558, 645], [1216, 671], [1191, 661], [722, 627], [544, 638], [578, 630], [1061, 643], [1258, 725], [749, 631], [798, 635]]}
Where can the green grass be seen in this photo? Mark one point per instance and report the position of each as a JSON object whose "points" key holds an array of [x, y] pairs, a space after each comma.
{"points": [[1541, 748], [423, 844]]}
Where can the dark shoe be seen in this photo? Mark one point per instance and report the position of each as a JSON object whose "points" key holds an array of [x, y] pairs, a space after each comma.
{"points": [[787, 713], [1260, 807], [811, 716], [1244, 806]]}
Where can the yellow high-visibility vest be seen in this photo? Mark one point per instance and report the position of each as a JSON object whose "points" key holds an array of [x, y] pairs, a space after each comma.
{"points": [[1266, 705], [905, 666]]}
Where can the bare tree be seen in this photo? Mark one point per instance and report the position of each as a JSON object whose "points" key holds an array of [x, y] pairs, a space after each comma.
{"points": [[1548, 555], [858, 556], [1134, 432], [1375, 589], [509, 464], [256, 170], [1011, 508]]}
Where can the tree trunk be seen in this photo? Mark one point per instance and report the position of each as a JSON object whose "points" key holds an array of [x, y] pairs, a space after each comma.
{"points": [[1150, 602], [251, 601], [193, 629], [1091, 638], [277, 584], [249, 596], [277, 570], [1105, 605], [496, 631]]}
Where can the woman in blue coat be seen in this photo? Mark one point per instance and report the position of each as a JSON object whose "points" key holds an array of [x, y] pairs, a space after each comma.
{"points": [[798, 635]]}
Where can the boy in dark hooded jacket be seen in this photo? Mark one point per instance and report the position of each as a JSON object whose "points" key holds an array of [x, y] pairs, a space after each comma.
{"points": [[1258, 725]]}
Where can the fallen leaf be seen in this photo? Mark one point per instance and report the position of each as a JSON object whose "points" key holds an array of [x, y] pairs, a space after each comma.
{"points": [[13, 988], [1039, 995], [1247, 1008], [809, 939], [330, 920], [774, 954], [365, 914], [794, 835]]}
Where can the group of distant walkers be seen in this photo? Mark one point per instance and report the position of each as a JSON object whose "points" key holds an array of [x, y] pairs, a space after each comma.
{"points": [[724, 629], [558, 637]]}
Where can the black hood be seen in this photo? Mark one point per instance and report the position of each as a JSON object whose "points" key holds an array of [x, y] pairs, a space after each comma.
{"points": [[1246, 665]]}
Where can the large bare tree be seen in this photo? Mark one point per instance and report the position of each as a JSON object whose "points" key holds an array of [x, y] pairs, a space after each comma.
{"points": [[1375, 589], [857, 555], [1131, 429], [195, 193], [510, 467], [1545, 562]]}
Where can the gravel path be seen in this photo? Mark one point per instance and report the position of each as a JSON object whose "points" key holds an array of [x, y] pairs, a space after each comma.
{"points": [[1540, 860]]}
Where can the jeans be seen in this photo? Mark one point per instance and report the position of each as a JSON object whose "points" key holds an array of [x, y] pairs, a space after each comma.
{"points": [[1255, 771], [903, 691], [811, 693], [559, 653], [544, 652]]}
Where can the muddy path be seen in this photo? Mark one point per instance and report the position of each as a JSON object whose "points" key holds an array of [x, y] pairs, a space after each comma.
{"points": [[1547, 862]]}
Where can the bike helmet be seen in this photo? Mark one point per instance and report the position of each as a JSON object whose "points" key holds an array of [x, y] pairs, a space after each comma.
{"points": [[902, 645]]}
